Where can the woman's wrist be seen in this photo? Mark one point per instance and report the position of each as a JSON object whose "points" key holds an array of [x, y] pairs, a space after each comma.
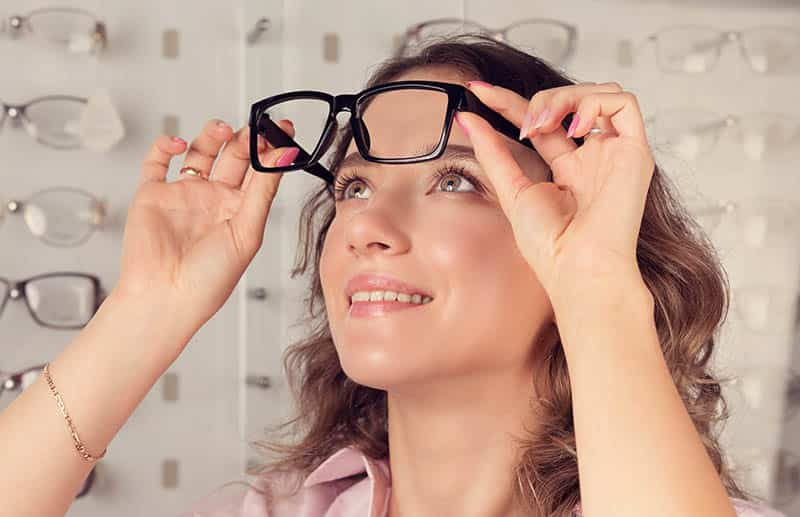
{"points": [[153, 319], [599, 302]]}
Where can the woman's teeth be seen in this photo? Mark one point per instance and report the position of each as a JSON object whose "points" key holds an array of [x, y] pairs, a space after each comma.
{"points": [[389, 296]]}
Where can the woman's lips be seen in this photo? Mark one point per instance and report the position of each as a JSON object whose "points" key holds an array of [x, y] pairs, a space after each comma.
{"points": [[366, 309]]}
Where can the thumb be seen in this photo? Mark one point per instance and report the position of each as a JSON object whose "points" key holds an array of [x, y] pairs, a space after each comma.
{"points": [[539, 212], [544, 212], [259, 193]]}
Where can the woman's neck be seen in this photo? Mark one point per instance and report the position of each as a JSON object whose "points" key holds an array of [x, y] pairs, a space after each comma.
{"points": [[452, 449]]}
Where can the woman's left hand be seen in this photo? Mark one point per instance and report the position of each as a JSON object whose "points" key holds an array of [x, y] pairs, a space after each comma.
{"points": [[579, 232]]}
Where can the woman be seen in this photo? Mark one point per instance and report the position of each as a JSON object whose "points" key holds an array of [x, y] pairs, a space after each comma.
{"points": [[559, 363]]}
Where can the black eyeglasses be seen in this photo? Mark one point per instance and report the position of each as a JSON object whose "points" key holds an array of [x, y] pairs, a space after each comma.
{"points": [[313, 114], [60, 300], [17, 382]]}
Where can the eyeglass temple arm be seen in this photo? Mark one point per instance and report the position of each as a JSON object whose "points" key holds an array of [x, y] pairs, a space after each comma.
{"points": [[277, 137]]}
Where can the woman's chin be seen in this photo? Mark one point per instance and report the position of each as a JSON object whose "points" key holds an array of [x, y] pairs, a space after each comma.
{"points": [[379, 371]]}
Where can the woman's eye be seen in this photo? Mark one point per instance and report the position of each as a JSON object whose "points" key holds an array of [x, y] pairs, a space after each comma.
{"points": [[460, 179], [448, 178], [343, 190]]}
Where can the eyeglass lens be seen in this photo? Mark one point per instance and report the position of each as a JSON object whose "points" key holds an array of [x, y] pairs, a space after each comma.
{"points": [[52, 121], [62, 217], [69, 28], [404, 123], [59, 216], [62, 301]]}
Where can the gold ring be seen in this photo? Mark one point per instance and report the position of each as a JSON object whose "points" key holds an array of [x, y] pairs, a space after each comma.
{"points": [[192, 172]]}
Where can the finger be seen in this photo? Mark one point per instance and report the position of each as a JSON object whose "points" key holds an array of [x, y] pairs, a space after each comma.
{"points": [[248, 177], [156, 163], [513, 107], [525, 113], [495, 159], [204, 149], [507, 103], [249, 221], [551, 146], [548, 108], [234, 160], [621, 108], [545, 204]]}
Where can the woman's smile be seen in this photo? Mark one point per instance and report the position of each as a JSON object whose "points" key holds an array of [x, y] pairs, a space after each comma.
{"points": [[363, 309]]}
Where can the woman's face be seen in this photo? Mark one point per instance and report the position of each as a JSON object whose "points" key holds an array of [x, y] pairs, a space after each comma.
{"points": [[444, 236]]}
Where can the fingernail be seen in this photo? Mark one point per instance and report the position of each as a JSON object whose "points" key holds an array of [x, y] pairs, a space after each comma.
{"points": [[461, 125], [542, 119], [470, 84], [288, 157], [576, 119], [526, 125], [178, 140], [221, 126]]}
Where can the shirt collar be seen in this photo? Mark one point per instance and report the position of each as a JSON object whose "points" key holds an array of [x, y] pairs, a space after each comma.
{"points": [[346, 462], [349, 461]]}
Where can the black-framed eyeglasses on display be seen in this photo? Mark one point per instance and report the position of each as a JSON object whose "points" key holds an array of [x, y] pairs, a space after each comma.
{"points": [[70, 28], [551, 40], [59, 216], [313, 114], [19, 381], [57, 300]]}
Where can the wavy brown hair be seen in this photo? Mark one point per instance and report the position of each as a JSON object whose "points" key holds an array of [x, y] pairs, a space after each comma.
{"points": [[678, 263]]}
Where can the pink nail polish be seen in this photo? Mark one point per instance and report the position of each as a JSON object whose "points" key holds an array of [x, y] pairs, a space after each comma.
{"points": [[178, 140], [470, 84], [461, 125], [542, 118], [287, 157], [576, 119], [526, 125]]}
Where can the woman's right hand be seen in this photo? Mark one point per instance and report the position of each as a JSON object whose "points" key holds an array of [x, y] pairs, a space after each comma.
{"points": [[187, 242]]}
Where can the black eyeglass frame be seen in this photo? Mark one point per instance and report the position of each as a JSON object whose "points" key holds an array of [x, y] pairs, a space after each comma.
{"points": [[19, 288], [459, 98]]}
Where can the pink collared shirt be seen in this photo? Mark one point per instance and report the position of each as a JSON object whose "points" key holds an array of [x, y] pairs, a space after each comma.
{"points": [[327, 492]]}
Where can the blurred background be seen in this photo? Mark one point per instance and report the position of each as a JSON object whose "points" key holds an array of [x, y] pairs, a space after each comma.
{"points": [[87, 86]]}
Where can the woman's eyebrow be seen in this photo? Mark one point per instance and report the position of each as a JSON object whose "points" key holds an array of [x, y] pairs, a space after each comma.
{"points": [[451, 152]]}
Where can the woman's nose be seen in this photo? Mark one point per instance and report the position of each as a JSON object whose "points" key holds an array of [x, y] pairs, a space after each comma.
{"points": [[378, 227]]}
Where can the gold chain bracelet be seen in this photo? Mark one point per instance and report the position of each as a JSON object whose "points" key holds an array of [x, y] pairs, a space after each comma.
{"points": [[78, 445]]}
